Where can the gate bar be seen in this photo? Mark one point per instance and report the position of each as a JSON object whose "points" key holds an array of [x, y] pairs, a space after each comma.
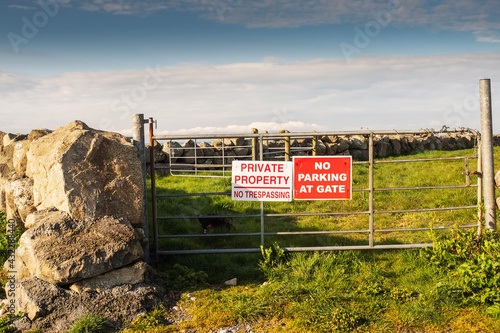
{"points": [[301, 249], [262, 228], [309, 134], [281, 233]]}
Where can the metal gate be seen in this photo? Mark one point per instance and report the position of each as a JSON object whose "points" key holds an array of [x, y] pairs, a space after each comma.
{"points": [[281, 146]]}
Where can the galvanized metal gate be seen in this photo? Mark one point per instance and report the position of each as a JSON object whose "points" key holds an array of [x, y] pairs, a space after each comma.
{"points": [[277, 146]]}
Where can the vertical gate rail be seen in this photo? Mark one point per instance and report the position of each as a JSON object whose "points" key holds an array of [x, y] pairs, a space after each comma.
{"points": [[259, 150]]}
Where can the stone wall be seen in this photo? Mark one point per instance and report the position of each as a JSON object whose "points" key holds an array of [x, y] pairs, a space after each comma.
{"points": [[77, 192]]}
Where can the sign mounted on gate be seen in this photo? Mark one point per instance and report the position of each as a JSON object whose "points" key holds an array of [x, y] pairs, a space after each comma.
{"points": [[322, 178], [262, 181]]}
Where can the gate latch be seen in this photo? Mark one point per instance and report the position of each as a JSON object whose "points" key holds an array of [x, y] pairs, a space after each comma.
{"points": [[151, 121], [473, 172], [467, 173]]}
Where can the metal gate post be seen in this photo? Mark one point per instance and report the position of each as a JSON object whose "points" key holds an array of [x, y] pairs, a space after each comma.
{"points": [[370, 186], [314, 145], [153, 187], [479, 187], [261, 157], [254, 145], [138, 141], [487, 155], [287, 145]]}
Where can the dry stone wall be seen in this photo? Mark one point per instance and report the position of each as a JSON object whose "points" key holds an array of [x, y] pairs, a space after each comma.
{"points": [[77, 192]]}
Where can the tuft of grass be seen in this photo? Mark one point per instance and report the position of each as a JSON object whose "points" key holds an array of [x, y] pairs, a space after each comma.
{"points": [[90, 323], [180, 277], [154, 321], [5, 325]]}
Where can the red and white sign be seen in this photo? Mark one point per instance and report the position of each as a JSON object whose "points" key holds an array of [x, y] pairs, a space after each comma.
{"points": [[322, 178], [262, 181]]}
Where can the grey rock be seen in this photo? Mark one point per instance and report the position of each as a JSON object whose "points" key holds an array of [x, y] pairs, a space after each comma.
{"points": [[53, 309], [78, 170], [131, 274], [63, 251]]}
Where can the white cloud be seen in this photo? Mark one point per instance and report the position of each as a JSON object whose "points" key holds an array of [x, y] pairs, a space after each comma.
{"points": [[22, 7], [486, 37], [271, 127], [324, 94]]}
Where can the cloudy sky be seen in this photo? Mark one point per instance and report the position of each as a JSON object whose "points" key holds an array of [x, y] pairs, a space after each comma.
{"points": [[207, 66]]}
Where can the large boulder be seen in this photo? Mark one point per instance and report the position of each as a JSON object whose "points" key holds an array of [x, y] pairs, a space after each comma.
{"points": [[358, 142], [62, 251], [131, 274], [192, 153], [383, 149], [87, 173], [19, 158], [7, 160], [52, 308], [321, 148], [173, 150], [18, 199], [38, 133]]}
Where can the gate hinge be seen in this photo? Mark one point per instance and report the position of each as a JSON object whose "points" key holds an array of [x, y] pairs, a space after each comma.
{"points": [[151, 121]]}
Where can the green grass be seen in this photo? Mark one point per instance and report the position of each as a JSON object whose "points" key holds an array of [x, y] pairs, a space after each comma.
{"points": [[370, 291], [90, 323], [377, 291]]}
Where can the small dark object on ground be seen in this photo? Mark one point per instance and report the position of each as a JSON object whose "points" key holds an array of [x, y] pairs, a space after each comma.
{"points": [[211, 223]]}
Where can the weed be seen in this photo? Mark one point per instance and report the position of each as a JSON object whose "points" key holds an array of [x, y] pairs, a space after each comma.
{"points": [[402, 294], [372, 288], [334, 319], [272, 256], [4, 238], [494, 310], [180, 277], [154, 319], [473, 262], [5, 326], [90, 323]]}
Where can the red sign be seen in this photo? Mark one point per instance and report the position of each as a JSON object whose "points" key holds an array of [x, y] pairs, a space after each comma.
{"points": [[322, 178]]}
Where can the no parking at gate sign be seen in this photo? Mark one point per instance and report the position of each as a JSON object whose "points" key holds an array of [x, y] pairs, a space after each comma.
{"points": [[322, 178]]}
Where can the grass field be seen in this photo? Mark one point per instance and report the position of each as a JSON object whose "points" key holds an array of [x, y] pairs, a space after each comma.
{"points": [[362, 291]]}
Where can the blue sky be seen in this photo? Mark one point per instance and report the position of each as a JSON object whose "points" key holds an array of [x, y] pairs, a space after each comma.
{"points": [[230, 65]]}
